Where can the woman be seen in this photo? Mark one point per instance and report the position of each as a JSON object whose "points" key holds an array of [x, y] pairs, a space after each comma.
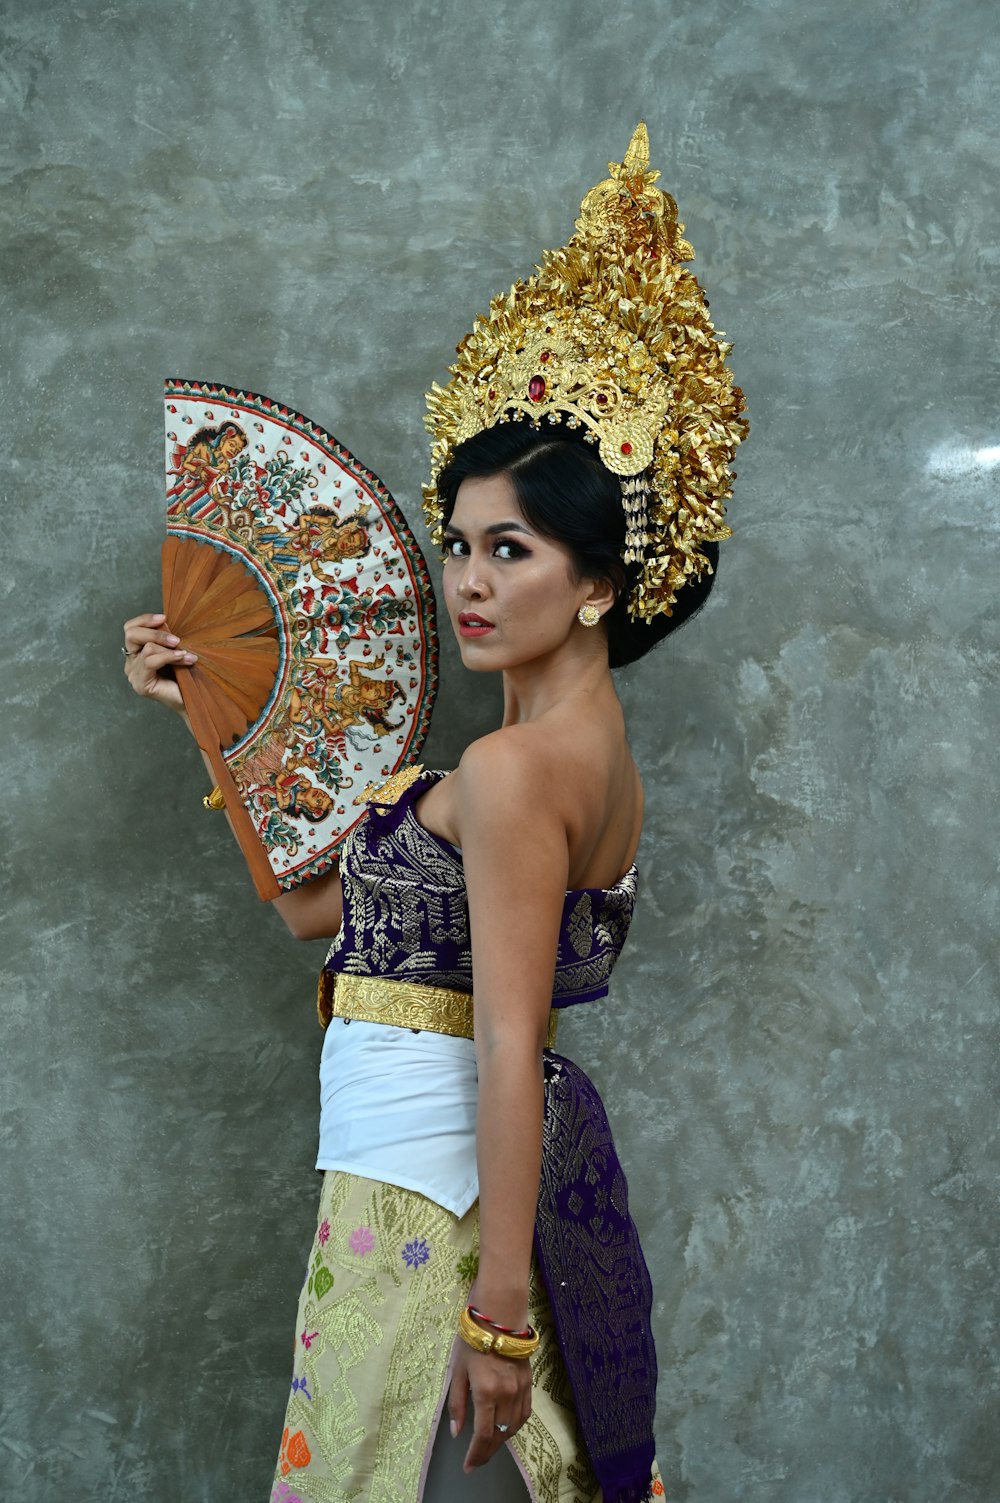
{"points": [[580, 468]]}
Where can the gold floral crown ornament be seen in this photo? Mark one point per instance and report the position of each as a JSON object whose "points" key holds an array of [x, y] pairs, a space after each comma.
{"points": [[611, 334]]}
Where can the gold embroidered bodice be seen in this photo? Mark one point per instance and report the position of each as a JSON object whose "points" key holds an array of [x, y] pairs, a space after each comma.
{"points": [[406, 913]]}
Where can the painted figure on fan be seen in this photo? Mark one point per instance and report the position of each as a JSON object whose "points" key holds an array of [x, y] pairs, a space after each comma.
{"points": [[202, 465], [328, 539]]}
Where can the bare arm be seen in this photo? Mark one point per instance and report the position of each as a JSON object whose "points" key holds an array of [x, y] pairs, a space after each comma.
{"points": [[312, 911], [315, 910], [515, 852]]}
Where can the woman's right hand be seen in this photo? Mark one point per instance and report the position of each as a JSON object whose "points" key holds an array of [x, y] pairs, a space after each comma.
{"points": [[151, 653], [501, 1400]]}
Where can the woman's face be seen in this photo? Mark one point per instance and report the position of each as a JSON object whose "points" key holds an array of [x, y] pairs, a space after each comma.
{"points": [[512, 594]]}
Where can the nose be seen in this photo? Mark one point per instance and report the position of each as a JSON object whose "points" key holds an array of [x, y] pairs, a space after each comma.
{"points": [[472, 585]]}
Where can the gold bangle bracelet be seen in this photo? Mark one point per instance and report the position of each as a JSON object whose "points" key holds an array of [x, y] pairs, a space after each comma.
{"points": [[214, 800], [473, 1335]]}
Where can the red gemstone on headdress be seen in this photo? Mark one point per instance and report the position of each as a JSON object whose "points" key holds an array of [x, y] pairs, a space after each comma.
{"points": [[602, 399], [536, 388], [544, 356], [626, 448], [492, 393]]}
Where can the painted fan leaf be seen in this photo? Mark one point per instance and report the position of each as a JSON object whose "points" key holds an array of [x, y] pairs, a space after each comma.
{"points": [[293, 575]]}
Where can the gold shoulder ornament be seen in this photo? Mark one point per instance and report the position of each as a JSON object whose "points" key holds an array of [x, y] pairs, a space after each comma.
{"points": [[612, 334], [383, 795]]}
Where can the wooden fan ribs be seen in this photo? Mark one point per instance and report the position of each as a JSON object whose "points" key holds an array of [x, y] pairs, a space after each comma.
{"points": [[194, 566], [235, 684], [239, 604], [243, 827], [220, 612]]}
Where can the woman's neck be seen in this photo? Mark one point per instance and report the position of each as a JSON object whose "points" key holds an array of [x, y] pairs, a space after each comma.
{"points": [[535, 689]]}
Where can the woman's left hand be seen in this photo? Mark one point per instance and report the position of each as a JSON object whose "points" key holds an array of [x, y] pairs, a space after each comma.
{"points": [[501, 1399]]}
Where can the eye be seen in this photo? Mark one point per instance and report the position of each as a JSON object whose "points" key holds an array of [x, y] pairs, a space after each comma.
{"points": [[506, 548], [455, 548]]}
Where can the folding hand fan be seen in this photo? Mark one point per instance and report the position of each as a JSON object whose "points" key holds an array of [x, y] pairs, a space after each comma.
{"points": [[292, 573]]}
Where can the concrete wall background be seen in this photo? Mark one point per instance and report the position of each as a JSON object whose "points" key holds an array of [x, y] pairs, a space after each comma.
{"points": [[311, 200]]}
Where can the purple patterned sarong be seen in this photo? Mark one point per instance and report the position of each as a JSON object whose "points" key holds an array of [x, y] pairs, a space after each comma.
{"points": [[597, 1282]]}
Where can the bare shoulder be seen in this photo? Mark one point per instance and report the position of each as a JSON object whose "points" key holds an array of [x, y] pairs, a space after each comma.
{"points": [[512, 827], [513, 769], [573, 793], [506, 776]]}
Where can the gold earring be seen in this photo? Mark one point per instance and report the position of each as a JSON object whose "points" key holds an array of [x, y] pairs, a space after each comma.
{"points": [[588, 615]]}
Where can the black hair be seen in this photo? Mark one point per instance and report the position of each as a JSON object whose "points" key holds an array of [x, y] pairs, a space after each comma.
{"points": [[214, 436], [566, 493]]}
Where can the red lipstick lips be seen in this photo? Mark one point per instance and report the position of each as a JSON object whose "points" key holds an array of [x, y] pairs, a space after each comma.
{"points": [[471, 625]]}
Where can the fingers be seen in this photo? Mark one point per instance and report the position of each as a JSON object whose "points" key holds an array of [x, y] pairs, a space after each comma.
{"points": [[143, 666], [458, 1395], [485, 1439], [142, 630], [148, 618], [501, 1395], [155, 658], [152, 652]]}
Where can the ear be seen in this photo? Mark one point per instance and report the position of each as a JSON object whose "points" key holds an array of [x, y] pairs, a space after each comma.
{"points": [[600, 592]]}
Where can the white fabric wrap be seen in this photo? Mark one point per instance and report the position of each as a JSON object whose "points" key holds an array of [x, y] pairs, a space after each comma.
{"points": [[400, 1107]]}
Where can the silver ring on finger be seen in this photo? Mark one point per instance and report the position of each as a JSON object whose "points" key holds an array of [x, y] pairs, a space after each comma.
{"points": [[502, 1428], [127, 654]]}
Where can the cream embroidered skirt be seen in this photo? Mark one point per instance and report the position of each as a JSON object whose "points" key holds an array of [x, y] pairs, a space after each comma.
{"points": [[388, 1273]]}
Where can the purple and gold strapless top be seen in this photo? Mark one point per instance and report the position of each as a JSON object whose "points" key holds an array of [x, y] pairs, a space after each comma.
{"points": [[406, 912]]}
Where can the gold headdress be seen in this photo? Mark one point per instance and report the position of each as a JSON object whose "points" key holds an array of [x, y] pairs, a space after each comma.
{"points": [[612, 334]]}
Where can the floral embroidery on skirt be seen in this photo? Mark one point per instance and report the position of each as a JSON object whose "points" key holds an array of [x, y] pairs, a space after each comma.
{"points": [[388, 1273]]}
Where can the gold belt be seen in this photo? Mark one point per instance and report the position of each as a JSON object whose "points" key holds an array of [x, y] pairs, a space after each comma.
{"points": [[402, 1004]]}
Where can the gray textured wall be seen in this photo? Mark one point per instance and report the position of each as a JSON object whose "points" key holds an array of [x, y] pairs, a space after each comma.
{"points": [[311, 200]]}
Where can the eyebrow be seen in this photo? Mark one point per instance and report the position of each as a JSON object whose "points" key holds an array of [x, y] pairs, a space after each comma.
{"points": [[456, 532]]}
